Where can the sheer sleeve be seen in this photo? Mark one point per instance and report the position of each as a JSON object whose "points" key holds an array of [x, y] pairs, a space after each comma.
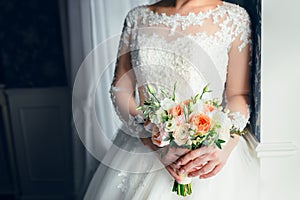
{"points": [[124, 84], [238, 73]]}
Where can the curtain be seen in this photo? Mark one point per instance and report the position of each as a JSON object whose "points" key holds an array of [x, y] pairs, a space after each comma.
{"points": [[87, 26]]}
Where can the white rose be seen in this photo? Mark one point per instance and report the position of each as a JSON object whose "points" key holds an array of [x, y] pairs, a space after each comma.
{"points": [[167, 104], [197, 107], [221, 118], [156, 117], [179, 120], [182, 134]]}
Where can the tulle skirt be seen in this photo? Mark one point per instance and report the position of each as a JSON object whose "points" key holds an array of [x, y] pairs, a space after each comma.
{"points": [[137, 176]]}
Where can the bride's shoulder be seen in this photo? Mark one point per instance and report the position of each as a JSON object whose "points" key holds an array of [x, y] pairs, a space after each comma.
{"points": [[134, 13], [235, 11]]}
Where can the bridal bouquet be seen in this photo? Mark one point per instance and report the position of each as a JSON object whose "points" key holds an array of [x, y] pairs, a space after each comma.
{"points": [[190, 124]]}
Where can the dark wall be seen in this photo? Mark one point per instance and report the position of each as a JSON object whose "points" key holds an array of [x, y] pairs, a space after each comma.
{"points": [[31, 53], [31, 56]]}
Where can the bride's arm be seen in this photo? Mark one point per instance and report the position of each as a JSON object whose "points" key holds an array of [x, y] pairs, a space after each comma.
{"points": [[123, 88], [122, 92], [238, 84], [124, 82]]}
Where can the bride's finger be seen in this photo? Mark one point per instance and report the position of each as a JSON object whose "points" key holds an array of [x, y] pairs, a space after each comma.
{"points": [[212, 173], [200, 161], [173, 173], [196, 168], [204, 170], [193, 155], [181, 151]]}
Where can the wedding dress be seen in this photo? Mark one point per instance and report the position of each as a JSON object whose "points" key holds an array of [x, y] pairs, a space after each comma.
{"points": [[191, 50]]}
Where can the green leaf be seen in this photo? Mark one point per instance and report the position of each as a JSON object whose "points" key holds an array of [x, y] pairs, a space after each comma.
{"points": [[174, 90], [150, 89], [163, 92], [185, 110], [219, 145], [219, 142], [196, 98], [205, 90], [189, 108], [139, 108]]}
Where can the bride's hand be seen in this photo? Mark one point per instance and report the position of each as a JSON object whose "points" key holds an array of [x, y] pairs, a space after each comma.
{"points": [[204, 162], [169, 155]]}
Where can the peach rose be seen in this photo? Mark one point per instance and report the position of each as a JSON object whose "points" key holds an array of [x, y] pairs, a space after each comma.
{"points": [[159, 136], [208, 108], [202, 123], [176, 111], [186, 102]]}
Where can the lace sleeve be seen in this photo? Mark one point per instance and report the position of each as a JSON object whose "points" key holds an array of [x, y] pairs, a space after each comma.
{"points": [[238, 73], [241, 30], [124, 84]]}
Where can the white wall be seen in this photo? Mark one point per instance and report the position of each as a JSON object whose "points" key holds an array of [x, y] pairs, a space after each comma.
{"points": [[280, 109]]}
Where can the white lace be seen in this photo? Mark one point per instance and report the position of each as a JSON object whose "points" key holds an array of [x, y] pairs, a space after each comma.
{"points": [[149, 34], [166, 49], [192, 50]]}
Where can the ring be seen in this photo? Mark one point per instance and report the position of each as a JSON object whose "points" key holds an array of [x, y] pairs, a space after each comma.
{"points": [[200, 166]]}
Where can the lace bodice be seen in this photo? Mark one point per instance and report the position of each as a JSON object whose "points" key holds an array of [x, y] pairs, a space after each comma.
{"points": [[191, 50]]}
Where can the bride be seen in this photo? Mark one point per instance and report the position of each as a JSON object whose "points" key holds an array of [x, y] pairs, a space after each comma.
{"points": [[192, 43]]}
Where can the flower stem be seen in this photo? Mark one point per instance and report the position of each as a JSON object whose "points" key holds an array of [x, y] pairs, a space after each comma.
{"points": [[182, 189]]}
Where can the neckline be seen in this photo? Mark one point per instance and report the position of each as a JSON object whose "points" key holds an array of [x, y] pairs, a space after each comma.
{"points": [[189, 14]]}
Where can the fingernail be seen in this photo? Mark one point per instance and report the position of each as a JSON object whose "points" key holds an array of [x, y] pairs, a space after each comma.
{"points": [[181, 171], [178, 163]]}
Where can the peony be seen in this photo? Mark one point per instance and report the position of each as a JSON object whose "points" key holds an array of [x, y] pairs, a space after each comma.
{"points": [[202, 123]]}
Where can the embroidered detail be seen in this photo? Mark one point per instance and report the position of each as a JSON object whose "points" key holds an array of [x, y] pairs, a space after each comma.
{"points": [[133, 181], [167, 49], [123, 186], [239, 120]]}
